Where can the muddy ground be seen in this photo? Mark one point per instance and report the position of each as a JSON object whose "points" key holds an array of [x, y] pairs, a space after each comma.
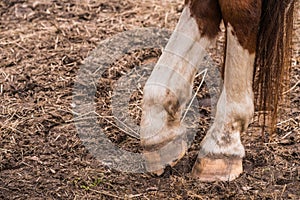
{"points": [[42, 47]]}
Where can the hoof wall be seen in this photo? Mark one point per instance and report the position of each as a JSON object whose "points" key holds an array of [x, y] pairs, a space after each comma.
{"points": [[170, 154], [217, 169]]}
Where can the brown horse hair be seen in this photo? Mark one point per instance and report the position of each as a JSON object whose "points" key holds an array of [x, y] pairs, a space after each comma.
{"points": [[273, 59]]}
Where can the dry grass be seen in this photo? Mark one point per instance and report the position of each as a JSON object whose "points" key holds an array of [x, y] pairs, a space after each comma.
{"points": [[43, 44]]}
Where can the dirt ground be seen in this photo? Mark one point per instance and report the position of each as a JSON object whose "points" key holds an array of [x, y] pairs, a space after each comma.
{"points": [[42, 46]]}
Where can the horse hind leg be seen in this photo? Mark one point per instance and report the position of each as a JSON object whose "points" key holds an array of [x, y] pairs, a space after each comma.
{"points": [[221, 153], [169, 87]]}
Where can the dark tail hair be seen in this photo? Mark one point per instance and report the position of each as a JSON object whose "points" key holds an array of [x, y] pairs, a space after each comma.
{"points": [[273, 58]]}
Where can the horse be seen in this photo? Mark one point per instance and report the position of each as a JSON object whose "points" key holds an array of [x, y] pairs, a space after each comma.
{"points": [[257, 50]]}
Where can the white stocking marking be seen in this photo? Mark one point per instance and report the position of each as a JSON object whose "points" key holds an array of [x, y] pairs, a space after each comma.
{"points": [[235, 106], [172, 77]]}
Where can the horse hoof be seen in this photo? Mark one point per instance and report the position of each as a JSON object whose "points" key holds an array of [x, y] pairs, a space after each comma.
{"points": [[209, 169], [170, 154]]}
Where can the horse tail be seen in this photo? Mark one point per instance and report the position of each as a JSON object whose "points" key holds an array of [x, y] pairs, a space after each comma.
{"points": [[273, 59]]}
